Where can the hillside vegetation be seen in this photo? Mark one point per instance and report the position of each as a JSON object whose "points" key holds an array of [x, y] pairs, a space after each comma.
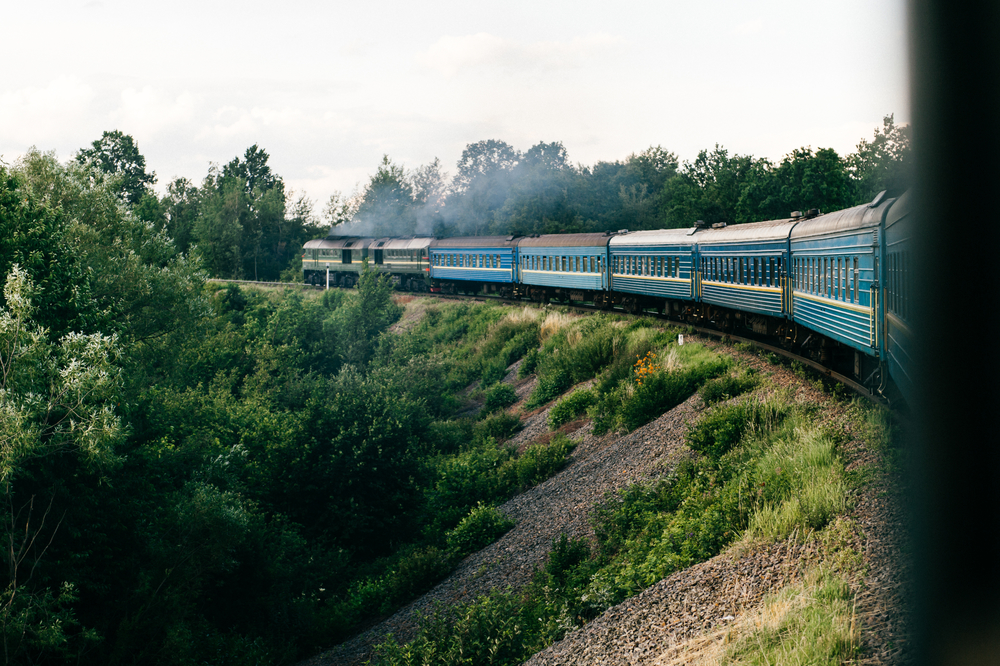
{"points": [[202, 475]]}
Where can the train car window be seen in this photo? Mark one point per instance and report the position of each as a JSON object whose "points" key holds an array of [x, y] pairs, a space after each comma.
{"points": [[835, 275], [857, 282], [842, 267]]}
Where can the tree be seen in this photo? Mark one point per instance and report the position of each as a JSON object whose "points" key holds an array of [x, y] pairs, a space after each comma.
{"points": [[707, 189], [34, 236], [484, 159], [340, 209], [481, 186], [181, 206], [55, 398], [387, 206], [884, 163], [242, 211], [116, 154]]}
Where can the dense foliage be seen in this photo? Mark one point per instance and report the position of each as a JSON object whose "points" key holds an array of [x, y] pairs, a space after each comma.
{"points": [[199, 474], [194, 474]]}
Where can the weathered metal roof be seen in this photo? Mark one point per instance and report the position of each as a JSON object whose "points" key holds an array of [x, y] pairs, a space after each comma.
{"points": [[474, 241], [902, 207], [752, 231], [654, 237], [408, 243], [342, 242], [858, 217], [565, 240]]}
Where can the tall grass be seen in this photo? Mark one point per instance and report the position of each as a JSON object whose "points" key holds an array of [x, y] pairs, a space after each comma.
{"points": [[812, 622]]}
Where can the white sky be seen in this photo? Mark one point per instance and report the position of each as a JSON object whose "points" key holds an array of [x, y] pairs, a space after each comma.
{"points": [[327, 88]]}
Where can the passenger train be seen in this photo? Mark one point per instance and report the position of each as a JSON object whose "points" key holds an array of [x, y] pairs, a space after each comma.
{"points": [[831, 287]]}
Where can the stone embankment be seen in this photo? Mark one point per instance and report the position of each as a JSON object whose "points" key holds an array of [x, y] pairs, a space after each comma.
{"points": [[696, 602]]}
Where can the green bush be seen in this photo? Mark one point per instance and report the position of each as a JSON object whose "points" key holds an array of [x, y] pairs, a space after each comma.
{"points": [[499, 426], [571, 406], [537, 463], [566, 556], [499, 396], [728, 386], [723, 428], [529, 363], [632, 405], [550, 386], [484, 525], [489, 630]]}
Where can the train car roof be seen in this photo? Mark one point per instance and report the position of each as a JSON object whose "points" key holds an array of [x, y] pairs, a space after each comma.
{"points": [[901, 207], [768, 230], [342, 242], [474, 241], [565, 240], [850, 219], [654, 237], [406, 243]]}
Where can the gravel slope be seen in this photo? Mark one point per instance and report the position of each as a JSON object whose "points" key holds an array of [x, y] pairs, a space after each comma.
{"points": [[690, 603], [560, 504]]}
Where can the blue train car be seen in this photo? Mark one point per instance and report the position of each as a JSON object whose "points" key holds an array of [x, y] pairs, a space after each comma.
{"points": [[834, 267], [470, 264], [649, 267], [741, 267], [567, 267], [899, 297]]}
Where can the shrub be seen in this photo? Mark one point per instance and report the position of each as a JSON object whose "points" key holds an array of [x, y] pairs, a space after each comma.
{"points": [[729, 386], [571, 406], [566, 555], [550, 386], [484, 525], [538, 462], [499, 426], [499, 396], [632, 405], [724, 427], [529, 363]]}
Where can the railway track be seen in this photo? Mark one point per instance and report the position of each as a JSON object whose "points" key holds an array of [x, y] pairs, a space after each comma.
{"points": [[823, 370]]}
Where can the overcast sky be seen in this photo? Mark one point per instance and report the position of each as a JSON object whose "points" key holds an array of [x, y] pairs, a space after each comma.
{"points": [[327, 88]]}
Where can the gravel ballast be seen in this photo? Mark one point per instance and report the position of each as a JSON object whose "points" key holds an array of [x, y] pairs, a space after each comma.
{"points": [[695, 602]]}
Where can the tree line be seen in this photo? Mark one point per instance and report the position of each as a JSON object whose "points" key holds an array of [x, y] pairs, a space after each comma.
{"points": [[243, 223]]}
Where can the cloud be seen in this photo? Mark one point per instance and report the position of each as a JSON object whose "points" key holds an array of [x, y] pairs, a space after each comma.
{"points": [[748, 28], [43, 115], [150, 111], [452, 55]]}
